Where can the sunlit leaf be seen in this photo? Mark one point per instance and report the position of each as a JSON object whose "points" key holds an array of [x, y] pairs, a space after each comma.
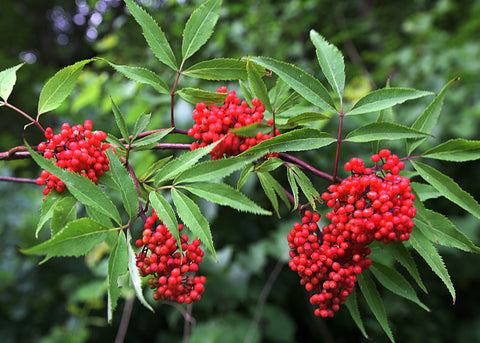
{"points": [[8, 78], [117, 266]]}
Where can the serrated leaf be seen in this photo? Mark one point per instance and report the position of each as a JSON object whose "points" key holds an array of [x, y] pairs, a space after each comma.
{"points": [[152, 138], [99, 217], [293, 185], [120, 120], [76, 239], [383, 131], [153, 35], [331, 62], [8, 78], [403, 256], [296, 140], [199, 27], [304, 118], [395, 282], [306, 185], [305, 84], [224, 69], [118, 145], [48, 206], [117, 266], [65, 211], [252, 130], [191, 216], [247, 94], [212, 170], [140, 124], [258, 86], [246, 172], [272, 188], [153, 168], [223, 194], [269, 165], [195, 95], [82, 188], [135, 279], [59, 86], [142, 75], [374, 301], [278, 93], [448, 188], [424, 191], [428, 252], [352, 306], [385, 98], [457, 150], [166, 214], [126, 184]]}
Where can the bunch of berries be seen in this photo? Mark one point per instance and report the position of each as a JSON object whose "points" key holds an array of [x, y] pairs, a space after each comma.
{"points": [[169, 265], [76, 149], [212, 123], [366, 207]]}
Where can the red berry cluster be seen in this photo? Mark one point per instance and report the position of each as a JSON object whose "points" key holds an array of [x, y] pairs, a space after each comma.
{"points": [[76, 149], [212, 123], [366, 207], [168, 265]]}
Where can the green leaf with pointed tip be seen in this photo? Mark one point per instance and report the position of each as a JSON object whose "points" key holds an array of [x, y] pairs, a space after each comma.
{"points": [[65, 211], [247, 94], [117, 144], [375, 303], [223, 194], [448, 188], [8, 77], [278, 93], [224, 69], [306, 185], [142, 75], [385, 98], [153, 168], [246, 172], [302, 82], [48, 206], [424, 191], [457, 150], [293, 185], [153, 35], [166, 214], [191, 216], [403, 256], [352, 306], [82, 188], [296, 140], [126, 184], [195, 95], [428, 252], [272, 188], [331, 62], [99, 217], [120, 120], [252, 130], [140, 124], [152, 138], [383, 131], [199, 27], [258, 86], [76, 239], [304, 118], [395, 282], [212, 170], [117, 266], [59, 87], [135, 279], [269, 165]]}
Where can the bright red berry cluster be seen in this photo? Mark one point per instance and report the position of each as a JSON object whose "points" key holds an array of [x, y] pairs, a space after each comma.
{"points": [[76, 149], [168, 265], [212, 123], [366, 207]]}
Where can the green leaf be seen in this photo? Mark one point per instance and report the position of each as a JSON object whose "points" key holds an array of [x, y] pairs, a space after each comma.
{"points": [[191, 216], [293, 185], [272, 188], [153, 34], [252, 130], [117, 266], [125, 183], [181, 163], [135, 279], [166, 214], [352, 306], [247, 94], [195, 95], [385, 98], [457, 150], [59, 87], [117, 144], [296, 140], [258, 86], [152, 138], [246, 172], [48, 206], [223, 69], [331, 62], [380, 131], [305, 84], [212, 170], [269, 165], [82, 188], [448, 188], [429, 118], [76, 239], [306, 185], [142, 75], [99, 217], [153, 168], [403, 256], [424, 191], [140, 124], [395, 282], [8, 77], [223, 194], [120, 120], [374, 301], [65, 211], [199, 27], [279, 93], [301, 119], [428, 252]]}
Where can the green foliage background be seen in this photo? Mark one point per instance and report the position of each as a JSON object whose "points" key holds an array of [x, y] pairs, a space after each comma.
{"points": [[420, 44]]}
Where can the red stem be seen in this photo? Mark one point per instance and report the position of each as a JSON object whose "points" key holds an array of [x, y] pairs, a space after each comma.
{"points": [[33, 121]]}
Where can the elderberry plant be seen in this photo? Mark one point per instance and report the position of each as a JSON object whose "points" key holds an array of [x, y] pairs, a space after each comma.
{"points": [[373, 208]]}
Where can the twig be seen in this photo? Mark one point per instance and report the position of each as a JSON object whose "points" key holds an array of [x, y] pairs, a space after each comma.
{"points": [[127, 312], [17, 179], [188, 320], [306, 166]]}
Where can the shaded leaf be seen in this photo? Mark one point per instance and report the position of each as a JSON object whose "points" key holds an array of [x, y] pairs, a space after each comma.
{"points": [[166, 214], [246, 172], [306, 185], [258, 86], [140, 124], [48, 206], [382, 131], [195, 95], [120, 120], [457, 150], [117, 266], [352, 305], [152, 138], [65, 211], [272, 188], [154, 168], [403, 256]]}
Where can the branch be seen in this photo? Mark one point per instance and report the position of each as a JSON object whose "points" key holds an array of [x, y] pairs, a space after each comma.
{"points": [[306, 166], [17, 179]]}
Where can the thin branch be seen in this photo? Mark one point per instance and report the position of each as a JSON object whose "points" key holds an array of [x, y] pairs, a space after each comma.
{"points": [[17, 179], [188, 321], [305, 166], [127, 312], [32, 121]]}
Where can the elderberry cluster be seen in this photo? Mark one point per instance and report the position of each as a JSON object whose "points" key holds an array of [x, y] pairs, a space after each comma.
{"points": [[371, 204], [76, 149], [212, 123], [169, 265]]}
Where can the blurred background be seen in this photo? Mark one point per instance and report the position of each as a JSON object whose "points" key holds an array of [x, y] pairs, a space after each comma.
{"points": [[251, 294]]}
